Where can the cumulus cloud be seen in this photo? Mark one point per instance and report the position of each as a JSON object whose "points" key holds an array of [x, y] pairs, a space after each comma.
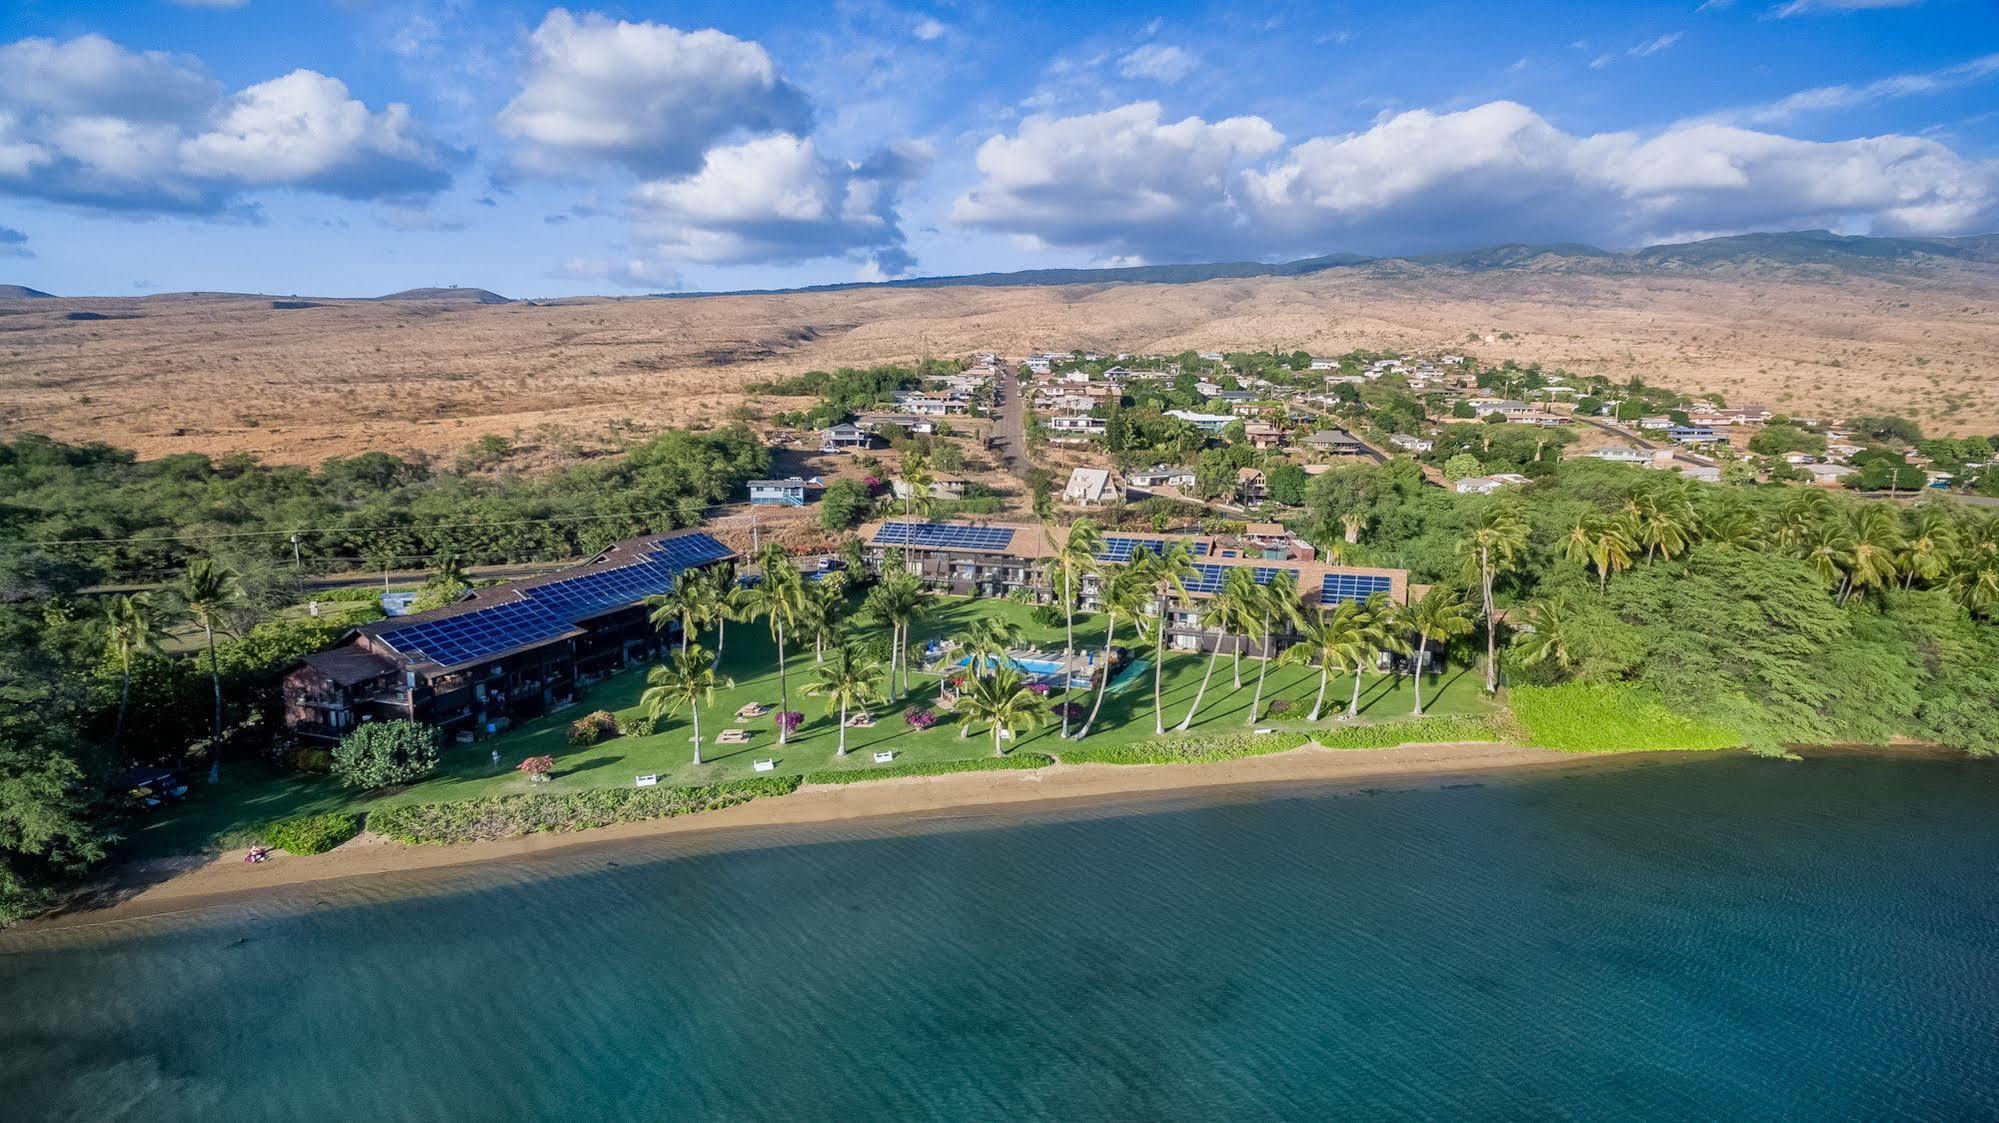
{"points": [[1122, 181], [1822, 98], [646, 96], [634, 271], [778, 199], [1158, 62], [1420, 180], [89, 122]]}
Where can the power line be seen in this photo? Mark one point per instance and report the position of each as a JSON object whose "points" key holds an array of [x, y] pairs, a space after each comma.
{"points": [[420, 527]]}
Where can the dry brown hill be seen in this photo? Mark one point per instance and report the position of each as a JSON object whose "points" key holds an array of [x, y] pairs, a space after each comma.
{"points": [[233, 373]]}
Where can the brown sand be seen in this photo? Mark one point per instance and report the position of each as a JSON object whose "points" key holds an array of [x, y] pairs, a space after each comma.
{"points": [[181, 885]]}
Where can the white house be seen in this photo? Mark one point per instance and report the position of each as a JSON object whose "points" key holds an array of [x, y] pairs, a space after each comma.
{"points": [[1205, 422], [1618, 454], [1090, 487], [1077, 423], [1163, 475], [1412, 444]]}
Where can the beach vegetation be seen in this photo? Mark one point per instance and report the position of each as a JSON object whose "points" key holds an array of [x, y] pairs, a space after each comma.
{"points": [[312, 834], [386, 754], [514, 816]]}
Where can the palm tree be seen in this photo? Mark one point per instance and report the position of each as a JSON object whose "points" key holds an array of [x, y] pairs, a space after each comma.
{"points": [[987, 642], [210, 592], [1168, 570], [897, 601], [1496, 540], [1599, 542], [1329, 639], [688, 679], [732, 603], [1125, 593], [1075, 560], [1928, 547], [1378, 634], [688, 603], [851, 677], [129, 623], [1352, 523], [1664, 520], [1221, 613], [820, 616], [1730, 523], [1828, 549], [1797, 514], [1550, 634], [779, 598], [1438, 616], [1005, 702], [1279, 612], [1876, 532]]}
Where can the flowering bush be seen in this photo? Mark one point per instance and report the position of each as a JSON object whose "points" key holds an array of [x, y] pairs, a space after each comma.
{"points": [[1279, 706], [536, 767], [873, 481], [920, 719], [1076, 711], [787, 720], [592, 728], [1040, 688]]}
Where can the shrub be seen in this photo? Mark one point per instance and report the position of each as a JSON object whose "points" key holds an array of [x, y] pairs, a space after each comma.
{"points": [[1076, 710], [1185, 750], [1411, 731], [920, 718], [1048, 615], [593, 727], [312, 834], [640, 726], [310, 759], [386, 753], [1009, 762], [787, 720], [1595, 718], [511, 816], [536, 767]]}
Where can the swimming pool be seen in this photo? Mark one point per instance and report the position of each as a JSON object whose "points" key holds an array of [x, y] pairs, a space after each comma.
{"points": [[1038, 668]]}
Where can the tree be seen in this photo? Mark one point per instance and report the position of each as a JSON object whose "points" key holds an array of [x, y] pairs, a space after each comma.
{"points": [[1598, 542], [779, 600], [898, 601], [1378, 634], [128, 625], [987, 642], [687, 679], [1876, 534], [1928, 547], [1549, 635], [843, 504], [1075, 560], [1003, 701], [820, 607], [1222, 613], [1438, 616], [447, 584], [691, 602], [1278, 612], [49, 831], [1329, 639], [1462, 466], [386, 753], [1497, 539], [209, 593], [850, 677], [1125, 592], [1168, 570]]}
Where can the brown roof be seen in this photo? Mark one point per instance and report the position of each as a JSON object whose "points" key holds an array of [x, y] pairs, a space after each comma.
{"points": [[349, 665]]}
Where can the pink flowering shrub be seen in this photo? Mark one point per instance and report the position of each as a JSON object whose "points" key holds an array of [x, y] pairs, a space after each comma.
{"points": [[787, 720], [536, 765], [920, 719]]}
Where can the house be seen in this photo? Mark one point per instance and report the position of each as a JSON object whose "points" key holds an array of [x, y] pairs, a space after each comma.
{"points": [[1705, 473], [875, 422], [1276, 543], [1655, 423], [1618, 454], [1692, 435], [1486, 485], [789, 492], [1163, 476], [1205, 422], [1260, 435], [845, 437], [1077, 423], [1830, 475], [1090, 487], [1335, 442], [1251, 487], [1210, 356], [933, 405], [1325, 364], [501, 655], [1412, 444]]}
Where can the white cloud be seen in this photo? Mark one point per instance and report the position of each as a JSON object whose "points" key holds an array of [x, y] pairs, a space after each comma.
{"points": [[1654, 46], [90, 123], [1157, 62], [1885, 89], [777, 199], [630, 272], [650, 97], [1122, 180], [1122, 183], [1814, 7], [928, 29]]}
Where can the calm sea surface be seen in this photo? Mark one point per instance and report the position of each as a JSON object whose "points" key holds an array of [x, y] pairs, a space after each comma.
{"points": [[1705, 938]]}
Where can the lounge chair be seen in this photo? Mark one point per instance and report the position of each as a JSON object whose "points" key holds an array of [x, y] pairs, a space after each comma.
{"points": [[650, 779], [884, 757]]}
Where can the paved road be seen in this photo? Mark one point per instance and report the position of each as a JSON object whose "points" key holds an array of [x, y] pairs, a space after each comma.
{"points": [[1010, 435]]}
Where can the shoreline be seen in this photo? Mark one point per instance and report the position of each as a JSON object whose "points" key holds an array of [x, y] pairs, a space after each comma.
{"points": [[197, 882]]}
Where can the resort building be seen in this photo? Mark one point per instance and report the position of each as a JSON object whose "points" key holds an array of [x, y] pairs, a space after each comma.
{"points": [[504, 653], [995, 559]]}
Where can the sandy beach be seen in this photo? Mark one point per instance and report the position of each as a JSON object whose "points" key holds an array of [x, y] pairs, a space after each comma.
{"points": [[182, 884]]}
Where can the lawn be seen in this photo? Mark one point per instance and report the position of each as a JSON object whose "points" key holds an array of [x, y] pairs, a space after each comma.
{"points": [[251, 794]]}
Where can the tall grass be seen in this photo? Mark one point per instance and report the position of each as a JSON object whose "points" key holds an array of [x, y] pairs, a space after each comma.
{"points": [[1599, 718]]}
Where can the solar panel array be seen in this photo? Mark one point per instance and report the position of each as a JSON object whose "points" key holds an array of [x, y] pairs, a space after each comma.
{"points": [[547, 611], [944, 536], [1209, 578], [1120, 547], [1339, 587]]}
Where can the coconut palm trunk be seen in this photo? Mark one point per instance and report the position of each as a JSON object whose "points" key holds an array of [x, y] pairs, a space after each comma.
{"points": [[1068, 647], [1213, 658], [1158, 679], [1104, 673], [1353, 707], [783, 689], [997, 750], [843, 726], [695, 710], [1262, 670], [1422, 648], [214, 674], [1491, 628]]}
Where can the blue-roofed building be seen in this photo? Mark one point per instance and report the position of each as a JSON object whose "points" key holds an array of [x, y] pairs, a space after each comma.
{"points": [[505, 652]]}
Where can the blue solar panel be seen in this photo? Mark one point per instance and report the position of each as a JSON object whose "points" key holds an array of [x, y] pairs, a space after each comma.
{"points": [[943, 536], [1339, 587], [1120, 547], [1209, 578], [547, 611]]}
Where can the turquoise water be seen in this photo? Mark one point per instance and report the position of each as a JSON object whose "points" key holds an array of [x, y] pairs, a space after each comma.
{"points": [[1713, 938]]}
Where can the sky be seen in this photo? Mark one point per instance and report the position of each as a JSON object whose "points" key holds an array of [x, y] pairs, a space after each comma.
{"points": [[354, 148]]}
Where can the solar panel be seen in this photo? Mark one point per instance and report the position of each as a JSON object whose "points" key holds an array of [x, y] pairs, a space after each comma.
{"points": [[546, 611], [1339, 587], [943, 536], [1120, 547], [1209, 578]]}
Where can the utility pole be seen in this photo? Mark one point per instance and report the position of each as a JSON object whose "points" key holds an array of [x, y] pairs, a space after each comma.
{"points": [[297, 562]]}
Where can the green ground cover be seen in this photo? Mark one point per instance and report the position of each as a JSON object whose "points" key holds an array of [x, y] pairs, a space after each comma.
{"points": [[249, 795], [1597, 718]]}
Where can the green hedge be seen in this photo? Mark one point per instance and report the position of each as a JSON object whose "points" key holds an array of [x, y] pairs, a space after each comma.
{"points": [[1184, 750], [1414, 731], [930, 768], [1601, 718], [312, 834], [510, 816]]}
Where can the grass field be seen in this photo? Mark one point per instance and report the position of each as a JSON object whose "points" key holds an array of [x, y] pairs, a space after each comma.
{"points": [[250, 795]]}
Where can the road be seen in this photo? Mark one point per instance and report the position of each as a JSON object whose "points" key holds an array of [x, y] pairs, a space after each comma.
{"points": [[1010, 434]]}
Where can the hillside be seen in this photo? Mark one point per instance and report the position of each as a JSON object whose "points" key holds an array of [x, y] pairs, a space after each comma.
{"points": [[1917, 335], [21, 292]]}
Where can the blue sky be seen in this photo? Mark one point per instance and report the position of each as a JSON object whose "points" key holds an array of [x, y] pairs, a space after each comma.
{"points": [[354, 148]]}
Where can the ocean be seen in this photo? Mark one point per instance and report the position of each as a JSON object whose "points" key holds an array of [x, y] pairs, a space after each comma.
{"points": [[1679, 937]]}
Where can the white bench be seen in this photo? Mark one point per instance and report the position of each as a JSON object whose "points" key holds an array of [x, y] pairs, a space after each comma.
{"points": [[884, 757], [648, 780], [764, 766]]}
